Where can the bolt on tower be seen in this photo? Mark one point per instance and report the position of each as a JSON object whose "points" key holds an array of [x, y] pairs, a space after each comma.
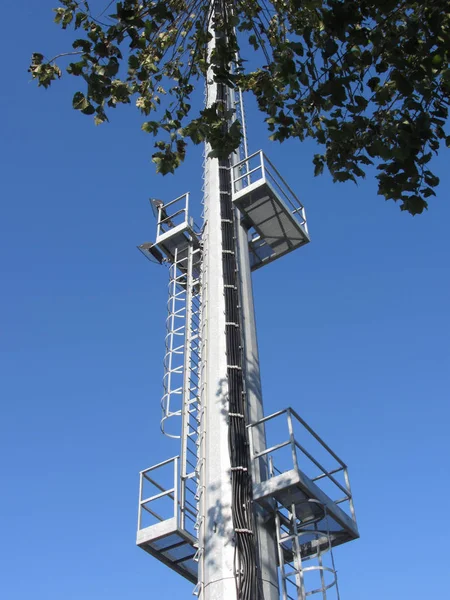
{"points": [[252, 505]]}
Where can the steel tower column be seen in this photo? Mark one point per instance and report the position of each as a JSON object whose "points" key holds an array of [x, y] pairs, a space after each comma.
{"points": [[217, 527], [218, 560], [216, 533]]}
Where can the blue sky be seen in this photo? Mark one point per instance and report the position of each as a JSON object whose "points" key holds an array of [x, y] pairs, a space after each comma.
{"points": [[353, 333]]}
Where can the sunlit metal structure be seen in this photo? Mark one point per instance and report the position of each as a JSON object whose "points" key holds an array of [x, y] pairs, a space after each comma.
{"points": [[252, 506]]}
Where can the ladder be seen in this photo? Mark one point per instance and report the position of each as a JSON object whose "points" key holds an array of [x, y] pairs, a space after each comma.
{"points": [[305, 552]]}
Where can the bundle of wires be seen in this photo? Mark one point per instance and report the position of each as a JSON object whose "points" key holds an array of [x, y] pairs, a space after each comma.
{"points": [[246, 572]]}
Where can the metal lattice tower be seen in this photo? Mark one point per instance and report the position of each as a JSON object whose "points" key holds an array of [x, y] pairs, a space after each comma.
{"points": [[240, 512]]}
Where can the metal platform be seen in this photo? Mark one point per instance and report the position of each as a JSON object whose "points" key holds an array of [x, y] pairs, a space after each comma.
{"points": [[166, 521], [273, 213], [296, 477], [175, 231]]}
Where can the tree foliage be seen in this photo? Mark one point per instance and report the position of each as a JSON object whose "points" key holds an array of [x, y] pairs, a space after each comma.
{"points": [[368, 81]]}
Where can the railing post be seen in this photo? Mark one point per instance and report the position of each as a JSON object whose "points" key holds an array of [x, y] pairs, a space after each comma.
{"points": [[158, 227], [141, 477], [305, 223], [292, 439], [177, 508], [250, 444], [263, 168], [186, 209], [350, 497], [271, 473]]}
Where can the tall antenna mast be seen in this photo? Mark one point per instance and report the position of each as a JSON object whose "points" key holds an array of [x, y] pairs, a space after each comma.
{"points": [[239, 519]]}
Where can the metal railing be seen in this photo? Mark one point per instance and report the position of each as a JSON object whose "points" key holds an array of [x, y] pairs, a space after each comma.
{"points": [[182, 510], [178, 213], [164, 492], [174, 213], [257, 168], [302, 458]]}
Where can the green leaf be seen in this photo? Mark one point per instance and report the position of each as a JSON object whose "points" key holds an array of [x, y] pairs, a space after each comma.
{"points": [[150, 127], [36, 59], [79, 19], [165, 164], [80, 102], [402, 83], [67, 18], [343, 176], [252, 40], [112, 68], [76, 68], [414, 204], [100, 117], [431, 179], [89, 110], [59, 15], [423, 160], [373, 83], [330, 48], [427, 192], [85, 45], [338, 93], [319, 163], [133, 62]]}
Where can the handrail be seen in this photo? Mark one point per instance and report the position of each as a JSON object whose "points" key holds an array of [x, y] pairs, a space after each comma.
{"points": [[314, 434], [161, 464], [247, 173], [267, 167], [170, 217], [278, 173], [268, 418], [327, 473], [171, 493], [155, 483], [153, 513], [176, 200], [247, 158], [324, 472], [294, 206], [160, 495], [272, 449]]}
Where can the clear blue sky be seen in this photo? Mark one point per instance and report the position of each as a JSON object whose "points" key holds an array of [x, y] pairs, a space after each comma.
{"points": [[353, 331]]}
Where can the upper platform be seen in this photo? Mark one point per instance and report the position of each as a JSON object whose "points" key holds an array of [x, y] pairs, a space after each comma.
{"points": [[273, 213], [175, 230]]}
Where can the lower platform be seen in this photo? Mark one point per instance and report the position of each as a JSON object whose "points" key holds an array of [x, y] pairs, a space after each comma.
{"points": [[174, 547], [294, 489], [304, 481], [163, 517]]}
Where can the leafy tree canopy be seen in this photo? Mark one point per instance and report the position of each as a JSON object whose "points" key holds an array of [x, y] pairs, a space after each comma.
{"points": [[368, 81]]}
